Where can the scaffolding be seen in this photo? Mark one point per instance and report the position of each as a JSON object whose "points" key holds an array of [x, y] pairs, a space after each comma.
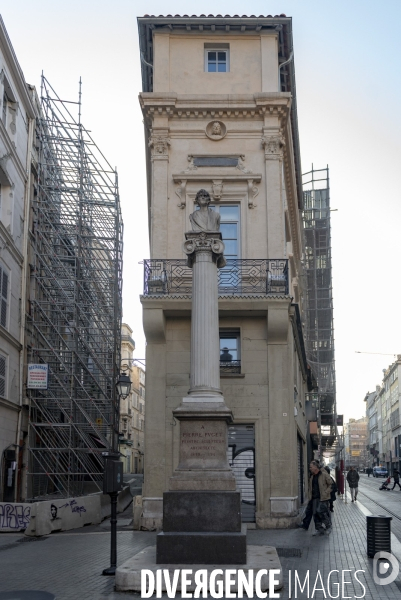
{"points": [[319, 325], [74, 321]]}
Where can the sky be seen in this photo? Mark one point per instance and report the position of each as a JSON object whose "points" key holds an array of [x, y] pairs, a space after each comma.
{"points": [[349, 97]]}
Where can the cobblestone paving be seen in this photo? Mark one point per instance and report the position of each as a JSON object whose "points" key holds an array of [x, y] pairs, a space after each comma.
{"points": [[69, 564]]}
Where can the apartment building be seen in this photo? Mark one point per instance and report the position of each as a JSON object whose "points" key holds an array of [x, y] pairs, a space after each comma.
{"points": [[219, 108]]}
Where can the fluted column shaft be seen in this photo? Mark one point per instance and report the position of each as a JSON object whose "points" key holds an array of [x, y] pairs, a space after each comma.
{"points": [[205, 255]]}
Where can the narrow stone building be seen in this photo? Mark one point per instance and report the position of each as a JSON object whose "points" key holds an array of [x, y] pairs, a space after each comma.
{"points": [[219, 109]]}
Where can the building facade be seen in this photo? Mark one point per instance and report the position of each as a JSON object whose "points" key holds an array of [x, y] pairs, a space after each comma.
{"points": [[132, 408], [219, 109], [390, 431], [17, 121], [356, 440], [371, 400]]}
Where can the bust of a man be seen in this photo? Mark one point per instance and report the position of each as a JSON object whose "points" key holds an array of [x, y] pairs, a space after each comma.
{"points": [[204, 219], [216, 128]]}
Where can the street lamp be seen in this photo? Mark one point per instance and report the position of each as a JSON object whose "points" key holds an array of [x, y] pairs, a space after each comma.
{"points": [[113, 472], [123, 385]]}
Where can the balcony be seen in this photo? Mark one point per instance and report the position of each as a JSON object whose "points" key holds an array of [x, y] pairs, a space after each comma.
{"points": [[259, 277], [230, 366]]}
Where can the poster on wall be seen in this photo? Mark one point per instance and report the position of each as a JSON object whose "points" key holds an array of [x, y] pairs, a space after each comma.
{"points": [[37, 377]]}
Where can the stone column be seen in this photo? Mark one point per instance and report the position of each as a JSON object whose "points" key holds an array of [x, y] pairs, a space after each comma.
{"points": [[205, 255], [203, 414], [202, 510]]}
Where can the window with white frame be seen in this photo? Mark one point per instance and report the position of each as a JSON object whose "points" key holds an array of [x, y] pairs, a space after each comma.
{"points": [[3, 367], [217, 59], [4, 279], [230, 351]]}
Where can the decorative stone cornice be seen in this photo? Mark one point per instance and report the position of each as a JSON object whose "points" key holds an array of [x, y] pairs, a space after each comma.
{"points": [[217, 106], [216, 181]]}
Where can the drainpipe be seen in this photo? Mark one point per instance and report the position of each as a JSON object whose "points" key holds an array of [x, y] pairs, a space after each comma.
{"points": [[23, 296], [283, 65]]}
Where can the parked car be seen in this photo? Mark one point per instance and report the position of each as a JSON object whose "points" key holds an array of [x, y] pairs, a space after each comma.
{"points": [[380, 472]]}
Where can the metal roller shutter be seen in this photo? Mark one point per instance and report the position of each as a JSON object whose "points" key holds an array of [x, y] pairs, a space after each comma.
{"points": [[241, 456]]}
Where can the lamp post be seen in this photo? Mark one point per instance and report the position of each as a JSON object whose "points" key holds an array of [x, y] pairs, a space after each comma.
{"points": [[113, 471]]}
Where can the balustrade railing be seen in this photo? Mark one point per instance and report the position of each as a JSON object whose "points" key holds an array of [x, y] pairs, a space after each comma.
{"points": [[230, 366], [259, 276]]}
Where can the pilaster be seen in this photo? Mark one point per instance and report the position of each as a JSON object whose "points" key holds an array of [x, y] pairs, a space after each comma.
{"points": [[159, 143], [273, 145]]}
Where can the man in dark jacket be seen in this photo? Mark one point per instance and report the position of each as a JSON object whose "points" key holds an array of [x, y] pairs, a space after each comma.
{"points": [[319, 490], [396, 476], [353, 479]]}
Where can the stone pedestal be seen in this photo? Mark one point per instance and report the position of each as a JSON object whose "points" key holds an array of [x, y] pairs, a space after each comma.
{"points": [[201, 512]]}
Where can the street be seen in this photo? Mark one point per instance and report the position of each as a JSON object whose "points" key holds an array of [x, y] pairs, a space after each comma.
{"points": [[69, 564]]}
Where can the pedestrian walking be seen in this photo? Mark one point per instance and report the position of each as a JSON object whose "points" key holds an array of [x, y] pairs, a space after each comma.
{"points": [[353, 479], [334, 490], [319, 490], [369, 470], [396, 476]]}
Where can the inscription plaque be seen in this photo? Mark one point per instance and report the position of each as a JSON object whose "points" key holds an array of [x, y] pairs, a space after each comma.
{"points": [[203, 444]]}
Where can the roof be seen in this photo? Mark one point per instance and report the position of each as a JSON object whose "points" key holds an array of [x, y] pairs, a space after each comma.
{"points": [[214, 16], [281, 23]]}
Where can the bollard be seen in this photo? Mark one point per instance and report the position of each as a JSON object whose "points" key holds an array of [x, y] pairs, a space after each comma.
{"points": [[378, 534]]}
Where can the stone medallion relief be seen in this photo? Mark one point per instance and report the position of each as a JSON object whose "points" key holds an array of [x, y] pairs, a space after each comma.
{"points": [[216, 130]]}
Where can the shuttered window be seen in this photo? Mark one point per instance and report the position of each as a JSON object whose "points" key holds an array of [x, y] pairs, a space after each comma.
{"points": [[3, 296], [2, 375]]}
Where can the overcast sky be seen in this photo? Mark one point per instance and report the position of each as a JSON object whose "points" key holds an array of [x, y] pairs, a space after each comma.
{"points": [[349, 98]]}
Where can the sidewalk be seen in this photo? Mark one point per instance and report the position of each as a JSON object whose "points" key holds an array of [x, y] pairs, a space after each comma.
{"points": [[69, 564]]}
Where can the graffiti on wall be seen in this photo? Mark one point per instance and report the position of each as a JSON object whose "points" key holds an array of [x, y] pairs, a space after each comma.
{"points": [[74, 506], [14, 516]]}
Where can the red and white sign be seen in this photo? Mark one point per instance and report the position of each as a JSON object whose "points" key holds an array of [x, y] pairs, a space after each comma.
{"points": [[37, 377]]}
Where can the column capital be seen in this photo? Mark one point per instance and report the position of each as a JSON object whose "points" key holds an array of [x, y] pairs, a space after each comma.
{"points": [[158, 144], [273, 145], [204, 242]]}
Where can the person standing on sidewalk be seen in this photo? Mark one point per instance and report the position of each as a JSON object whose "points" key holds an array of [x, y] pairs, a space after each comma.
{"points": [[396, 476], [319, 490], [353, 479]]}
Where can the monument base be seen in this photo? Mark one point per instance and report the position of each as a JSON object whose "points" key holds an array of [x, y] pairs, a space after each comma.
{"points": [[128, 575], [201, 547], [201, 511]]}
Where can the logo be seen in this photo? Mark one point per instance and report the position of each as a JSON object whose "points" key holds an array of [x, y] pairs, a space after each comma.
{"points": [[382, 561]]}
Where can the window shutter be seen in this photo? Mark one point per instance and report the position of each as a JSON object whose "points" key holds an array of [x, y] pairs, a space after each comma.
{"points": [[2, 375], [3, 296]]}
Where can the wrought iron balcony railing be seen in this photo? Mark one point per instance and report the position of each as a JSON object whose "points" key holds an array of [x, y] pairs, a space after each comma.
{"points": [[259, 276], [230, 366]]}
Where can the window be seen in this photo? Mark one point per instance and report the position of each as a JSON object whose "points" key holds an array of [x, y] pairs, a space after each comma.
{"points": [[216, 60], [3, 296], [230, 228], [230, 359], [2, 375]]}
